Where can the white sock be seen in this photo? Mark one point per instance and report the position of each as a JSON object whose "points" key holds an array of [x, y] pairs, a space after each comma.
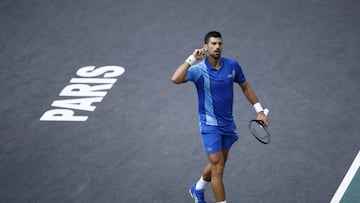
{"points": [[222, 201], [200, 185]]}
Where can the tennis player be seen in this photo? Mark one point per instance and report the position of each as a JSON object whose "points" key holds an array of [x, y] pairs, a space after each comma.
{"points": [[213, 77]]}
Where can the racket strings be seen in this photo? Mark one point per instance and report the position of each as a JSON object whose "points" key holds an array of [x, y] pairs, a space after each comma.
{"points": [[258, 129]]}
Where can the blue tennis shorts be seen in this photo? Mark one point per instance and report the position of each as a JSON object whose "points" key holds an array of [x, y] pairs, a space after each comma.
{"points": [[217, 138]]}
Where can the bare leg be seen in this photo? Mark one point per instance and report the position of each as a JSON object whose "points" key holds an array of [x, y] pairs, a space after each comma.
{"points": [[217, 168], [206, 174], [214, 173]]}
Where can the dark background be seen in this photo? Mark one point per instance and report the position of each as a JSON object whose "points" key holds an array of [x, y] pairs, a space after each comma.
{"points": [[142, 144]]}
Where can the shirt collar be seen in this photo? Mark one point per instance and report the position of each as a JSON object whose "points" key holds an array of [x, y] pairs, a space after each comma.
{"points": [[210, 66]]}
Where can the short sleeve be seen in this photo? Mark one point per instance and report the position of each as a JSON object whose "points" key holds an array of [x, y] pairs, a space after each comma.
{"points": [[193, 74], [239, 74]]}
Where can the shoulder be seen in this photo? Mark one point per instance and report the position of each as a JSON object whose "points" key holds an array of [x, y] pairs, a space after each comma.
{"points": [[196, 71], [199, 67], [229, 61]]}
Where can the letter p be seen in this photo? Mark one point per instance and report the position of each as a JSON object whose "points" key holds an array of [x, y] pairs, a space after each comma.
{"points": [[61, 115]]}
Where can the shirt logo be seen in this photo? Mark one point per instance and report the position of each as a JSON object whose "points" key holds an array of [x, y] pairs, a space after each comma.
{"points": [[230, 76]]}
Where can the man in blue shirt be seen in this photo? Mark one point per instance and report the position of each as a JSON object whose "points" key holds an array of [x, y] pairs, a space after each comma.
{"points": [[214, 77]]}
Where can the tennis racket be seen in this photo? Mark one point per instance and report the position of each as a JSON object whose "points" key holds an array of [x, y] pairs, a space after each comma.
{"points": [[259, 130]]}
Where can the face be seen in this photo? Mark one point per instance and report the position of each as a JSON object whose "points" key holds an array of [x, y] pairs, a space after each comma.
{"points": [[214, 47]]}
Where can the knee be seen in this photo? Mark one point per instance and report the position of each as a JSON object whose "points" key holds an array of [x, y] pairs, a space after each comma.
{"points": [[217, 163], [217, 168]]}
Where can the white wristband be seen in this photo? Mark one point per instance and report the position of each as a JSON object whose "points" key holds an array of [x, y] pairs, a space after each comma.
{"points": [[258, 108], [191, 60]]}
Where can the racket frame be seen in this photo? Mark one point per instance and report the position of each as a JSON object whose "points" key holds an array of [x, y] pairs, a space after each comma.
{"points": [[262, 124]]}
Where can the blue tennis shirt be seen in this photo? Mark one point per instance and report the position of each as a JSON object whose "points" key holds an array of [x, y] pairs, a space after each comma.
{"points": [[215, 90]]}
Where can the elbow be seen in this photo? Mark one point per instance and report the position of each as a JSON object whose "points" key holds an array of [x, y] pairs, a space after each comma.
{"points": [[176, 80], [173, 80]]}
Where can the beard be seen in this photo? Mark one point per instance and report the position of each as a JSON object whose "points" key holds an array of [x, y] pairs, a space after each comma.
{"points": [[215, 55]]}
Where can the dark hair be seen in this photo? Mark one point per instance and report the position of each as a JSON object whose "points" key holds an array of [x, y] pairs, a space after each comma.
{"points": [[211, 34]]}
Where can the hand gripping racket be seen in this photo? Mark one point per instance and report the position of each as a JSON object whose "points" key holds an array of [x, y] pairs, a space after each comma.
{"points": [[259, 130]]}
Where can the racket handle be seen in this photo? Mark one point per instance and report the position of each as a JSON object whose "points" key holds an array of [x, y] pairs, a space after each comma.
{"points": [[266, 112]]}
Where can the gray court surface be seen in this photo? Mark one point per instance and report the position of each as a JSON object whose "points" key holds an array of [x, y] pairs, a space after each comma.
{"points": [[141, 143]]}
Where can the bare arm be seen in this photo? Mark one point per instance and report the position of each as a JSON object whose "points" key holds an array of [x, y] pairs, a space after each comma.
{"points": [[252, 98], [249, 93], [180, 74]]}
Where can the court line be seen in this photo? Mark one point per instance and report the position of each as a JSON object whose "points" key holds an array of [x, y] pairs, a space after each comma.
{"points": [[347, 180]]}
